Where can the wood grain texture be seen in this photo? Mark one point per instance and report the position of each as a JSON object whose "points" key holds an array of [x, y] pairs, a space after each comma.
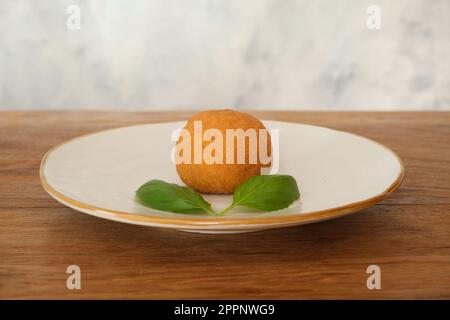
{"points": [[407, 235]]}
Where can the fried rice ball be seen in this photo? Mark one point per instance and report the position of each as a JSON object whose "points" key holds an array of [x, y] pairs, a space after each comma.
{"points": [[223, 177]]}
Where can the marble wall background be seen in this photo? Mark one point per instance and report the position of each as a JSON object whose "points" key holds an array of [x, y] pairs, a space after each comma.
{"points": [[253, 54]]}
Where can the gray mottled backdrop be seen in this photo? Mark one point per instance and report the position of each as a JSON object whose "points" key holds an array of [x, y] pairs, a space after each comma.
{"points": [[253, 54]]}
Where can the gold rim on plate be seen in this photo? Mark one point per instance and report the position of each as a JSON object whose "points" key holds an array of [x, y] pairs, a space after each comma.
{"points": [[222, 221]]}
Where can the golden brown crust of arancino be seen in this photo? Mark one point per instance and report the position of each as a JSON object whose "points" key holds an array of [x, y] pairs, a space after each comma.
{"points": [[220, 178]]}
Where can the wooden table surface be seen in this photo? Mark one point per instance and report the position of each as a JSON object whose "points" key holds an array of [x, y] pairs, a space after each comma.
{"points": [[407, 235]]}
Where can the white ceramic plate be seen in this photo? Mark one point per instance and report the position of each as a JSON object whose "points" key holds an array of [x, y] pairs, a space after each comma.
{"points": [[337, 173]]}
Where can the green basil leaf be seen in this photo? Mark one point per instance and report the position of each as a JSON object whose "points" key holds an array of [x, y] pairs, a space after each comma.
{"points": [[164, 196], [267, 193]]}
